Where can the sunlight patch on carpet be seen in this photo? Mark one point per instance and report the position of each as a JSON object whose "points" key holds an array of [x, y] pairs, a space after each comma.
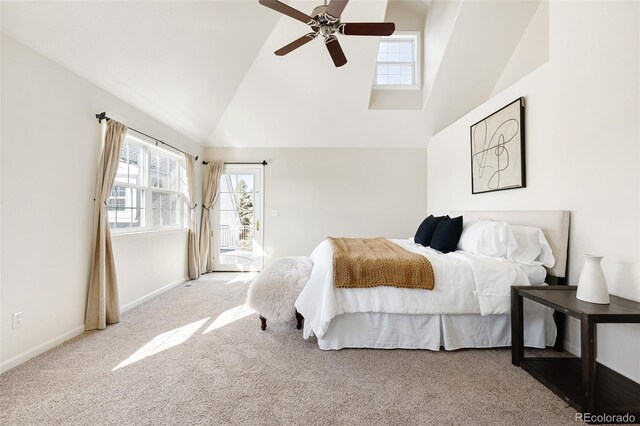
{"points": [[229, 316], [243, 277], [163, 342]]}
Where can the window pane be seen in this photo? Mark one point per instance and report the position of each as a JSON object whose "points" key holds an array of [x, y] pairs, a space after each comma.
{"points": [[227, 201], [166, 209], [155, 203], [244, 201], [244, 183], [153, 170], [394, 79], [136, 218], [129, 169], [143, 165], [183, 186], [122, 175], [173, 175], [225, 184], [163, 172], [165, 212], [135, 164], [125, 207], [233, 181], [396, 61]]}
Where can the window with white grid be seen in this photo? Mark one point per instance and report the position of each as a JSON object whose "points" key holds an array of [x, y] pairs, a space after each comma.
{"points": [[398, 59], [149, 189]]}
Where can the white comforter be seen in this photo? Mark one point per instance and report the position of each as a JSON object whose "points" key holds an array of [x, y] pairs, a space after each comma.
{"points": [[464, 284]]}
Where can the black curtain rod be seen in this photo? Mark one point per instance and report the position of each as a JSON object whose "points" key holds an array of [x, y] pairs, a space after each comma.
{"points": [[103, 116], [264, 163]]}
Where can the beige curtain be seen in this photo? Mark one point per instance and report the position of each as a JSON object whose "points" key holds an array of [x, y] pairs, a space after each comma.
{"points": [[211, 185], [193, 257], [102, 298]]}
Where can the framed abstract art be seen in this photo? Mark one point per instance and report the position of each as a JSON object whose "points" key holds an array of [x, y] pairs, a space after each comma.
{"points": [[497, 150]]}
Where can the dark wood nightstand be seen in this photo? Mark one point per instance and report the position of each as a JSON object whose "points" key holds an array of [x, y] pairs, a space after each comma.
{"points": [[587, 385]]}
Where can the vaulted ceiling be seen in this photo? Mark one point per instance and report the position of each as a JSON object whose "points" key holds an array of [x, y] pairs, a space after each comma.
{"points": [[207, 68]]}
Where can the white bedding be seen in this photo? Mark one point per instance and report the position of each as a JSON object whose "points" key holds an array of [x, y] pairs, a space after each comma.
{"points": [[464, 284], [398, 331]]}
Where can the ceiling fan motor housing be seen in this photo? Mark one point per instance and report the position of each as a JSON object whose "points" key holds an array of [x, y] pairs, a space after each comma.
{"points": [[320, 10], [324, 24]]}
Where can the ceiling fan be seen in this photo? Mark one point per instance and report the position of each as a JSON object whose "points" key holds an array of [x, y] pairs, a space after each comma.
{"points": [[325, 21]]}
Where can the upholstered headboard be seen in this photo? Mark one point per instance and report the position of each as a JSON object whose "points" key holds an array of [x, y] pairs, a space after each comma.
{"points": [[554, 224]]}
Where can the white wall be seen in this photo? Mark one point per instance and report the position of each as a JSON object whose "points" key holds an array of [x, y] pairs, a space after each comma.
{"points": [[48, 169], [338, 192], [439, 24], [531, 52], [582, 147], [483, 39]]}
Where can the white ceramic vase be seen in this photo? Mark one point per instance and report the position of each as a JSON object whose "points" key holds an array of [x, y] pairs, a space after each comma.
{"points": [[592, 286]]}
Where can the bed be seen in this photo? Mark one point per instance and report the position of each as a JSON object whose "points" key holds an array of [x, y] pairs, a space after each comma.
{"points": [[462, 311]]}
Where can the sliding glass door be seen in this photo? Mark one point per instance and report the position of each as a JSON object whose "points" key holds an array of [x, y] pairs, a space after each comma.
{"points": [[237, 232]]}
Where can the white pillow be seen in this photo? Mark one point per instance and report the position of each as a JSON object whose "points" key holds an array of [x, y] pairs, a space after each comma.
{"points": [[488, 238], [532, 246]]}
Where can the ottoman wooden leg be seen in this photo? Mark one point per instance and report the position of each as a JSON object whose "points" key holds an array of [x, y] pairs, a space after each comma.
{"points": [[263, 323], [299, 319]]}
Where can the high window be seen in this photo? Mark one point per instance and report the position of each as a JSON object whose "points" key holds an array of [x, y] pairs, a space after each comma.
{"points": [[149, 187], [398, 62]]}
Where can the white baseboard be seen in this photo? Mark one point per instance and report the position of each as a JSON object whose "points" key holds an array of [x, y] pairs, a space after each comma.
{"points": [[44, 347], [151, 295], [27, 355]]}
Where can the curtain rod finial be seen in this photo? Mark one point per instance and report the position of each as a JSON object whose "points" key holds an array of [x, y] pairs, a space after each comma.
{"points": [[102, 116]]}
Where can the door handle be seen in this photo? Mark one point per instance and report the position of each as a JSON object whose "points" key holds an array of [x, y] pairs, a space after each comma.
{"points": [[257, 225]]}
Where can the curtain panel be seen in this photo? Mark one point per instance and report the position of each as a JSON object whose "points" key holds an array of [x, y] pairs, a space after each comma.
{"points": [[211, 187], [103, 306], [193, 255]]}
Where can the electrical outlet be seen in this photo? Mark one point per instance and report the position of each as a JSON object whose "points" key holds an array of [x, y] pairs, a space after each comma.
{"points": [[274, 213], [17, 319]]}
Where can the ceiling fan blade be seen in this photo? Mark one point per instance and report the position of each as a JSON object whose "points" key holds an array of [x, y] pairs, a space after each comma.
{"points": [[295, 44], [333, 46], [336, 7], [288, 10], [368, 28]]}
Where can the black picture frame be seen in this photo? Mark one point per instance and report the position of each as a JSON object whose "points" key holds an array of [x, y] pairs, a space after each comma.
{"points": [[503, 142]]}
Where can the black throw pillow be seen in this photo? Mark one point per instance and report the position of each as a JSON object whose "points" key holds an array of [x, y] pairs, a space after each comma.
{"points": [[447, 234], [426, 229]]}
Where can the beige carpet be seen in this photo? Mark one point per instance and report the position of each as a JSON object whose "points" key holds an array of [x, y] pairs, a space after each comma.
{"points": [[187, 357]]}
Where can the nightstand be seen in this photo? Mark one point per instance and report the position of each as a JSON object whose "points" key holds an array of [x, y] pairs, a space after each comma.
{"points": [[587, 385]]}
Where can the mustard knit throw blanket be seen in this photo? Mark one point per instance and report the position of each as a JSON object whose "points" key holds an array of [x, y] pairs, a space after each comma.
{"points": [[372, 262]]}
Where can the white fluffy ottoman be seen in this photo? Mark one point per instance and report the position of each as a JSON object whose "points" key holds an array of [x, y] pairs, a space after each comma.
{"points": [[276, 289]]}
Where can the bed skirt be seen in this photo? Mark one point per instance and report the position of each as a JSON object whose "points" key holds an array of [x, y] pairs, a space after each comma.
{"points": [[404, 331]]}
